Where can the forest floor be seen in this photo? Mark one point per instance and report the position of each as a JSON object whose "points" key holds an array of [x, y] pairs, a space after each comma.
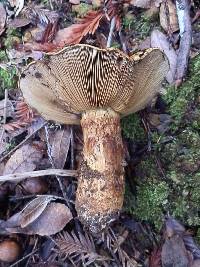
{"points": [[160, 222]]}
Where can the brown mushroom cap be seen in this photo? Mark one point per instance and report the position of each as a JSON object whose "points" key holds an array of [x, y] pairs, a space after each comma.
{"points": [[83, 77]]}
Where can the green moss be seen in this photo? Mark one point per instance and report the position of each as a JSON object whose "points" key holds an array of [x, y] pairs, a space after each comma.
{"points": [[128, 21], [13, 37], [151, 201], [141, 25], [82, 9], [8, 79], [184, 101], [132, 128], [168, 178]]}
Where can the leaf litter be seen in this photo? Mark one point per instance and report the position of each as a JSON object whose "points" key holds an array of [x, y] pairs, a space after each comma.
{"points": [[28, 30]]}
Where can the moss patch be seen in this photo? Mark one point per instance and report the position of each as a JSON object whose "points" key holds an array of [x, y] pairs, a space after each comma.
{"points": [[168, 179]]}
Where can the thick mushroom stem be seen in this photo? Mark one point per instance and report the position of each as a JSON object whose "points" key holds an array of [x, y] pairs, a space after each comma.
{"points": [[100, 190]]}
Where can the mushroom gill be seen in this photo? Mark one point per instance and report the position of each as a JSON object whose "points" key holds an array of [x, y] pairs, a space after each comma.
{"points": [[95, 87]]}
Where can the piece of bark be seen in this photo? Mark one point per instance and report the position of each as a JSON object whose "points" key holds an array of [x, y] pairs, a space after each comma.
{"points": [[183, 12]]}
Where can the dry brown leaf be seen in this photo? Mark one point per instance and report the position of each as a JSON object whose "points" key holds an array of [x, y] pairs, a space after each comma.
{"points": [[19, 22], [45, 223], [13, 126], [34, 209], [46, 47], [174, 252], [160, 40], [25, 158], [2, 18], [51, 221], [3, 143], [24, 115], [168, 16], [9, 108], [23, 112], [74, 33], [60, 143]]}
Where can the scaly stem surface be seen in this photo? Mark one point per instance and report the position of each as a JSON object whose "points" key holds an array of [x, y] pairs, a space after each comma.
{"points": [[100, 190]]}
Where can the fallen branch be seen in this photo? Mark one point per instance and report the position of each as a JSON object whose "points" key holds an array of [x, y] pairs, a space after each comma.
{"points": [[184, 20], [16, 177]]}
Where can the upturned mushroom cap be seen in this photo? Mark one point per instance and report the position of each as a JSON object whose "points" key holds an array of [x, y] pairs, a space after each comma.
{"points": [[83, 77]]}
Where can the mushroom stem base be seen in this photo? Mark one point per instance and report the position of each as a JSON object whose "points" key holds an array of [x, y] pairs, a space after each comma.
{"points": [[100, 191]]}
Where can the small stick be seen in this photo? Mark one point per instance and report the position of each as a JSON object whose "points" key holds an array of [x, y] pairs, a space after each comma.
{"points": [[21, 176], [24, 258], [22, 143], [112, 27], [184, 20]]}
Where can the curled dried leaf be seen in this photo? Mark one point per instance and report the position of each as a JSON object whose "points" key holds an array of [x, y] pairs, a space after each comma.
{"points": [[34, 209], [25, 158], [60, 143], [48, 223]]}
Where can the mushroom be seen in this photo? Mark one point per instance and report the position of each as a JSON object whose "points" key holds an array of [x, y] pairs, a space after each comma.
{"points": [[95, 87]]}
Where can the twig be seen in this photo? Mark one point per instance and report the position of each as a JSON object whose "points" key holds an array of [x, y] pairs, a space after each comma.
{"points": [[22, 143], [24, 258], [24, 175], [112, 27], [184, 20]]}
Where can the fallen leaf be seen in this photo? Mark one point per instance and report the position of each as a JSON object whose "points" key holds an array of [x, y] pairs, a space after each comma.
{"points": [[168, 16], [46, 47], [174, 252], [13, 126], [2, 18], [9, 108], [2, 166], [74, 33], [48, 222], [23, 112], [60, 143], [160, 40], [19, 22], [25, 158], [155, 258], [3, 143], [34, 209]]}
